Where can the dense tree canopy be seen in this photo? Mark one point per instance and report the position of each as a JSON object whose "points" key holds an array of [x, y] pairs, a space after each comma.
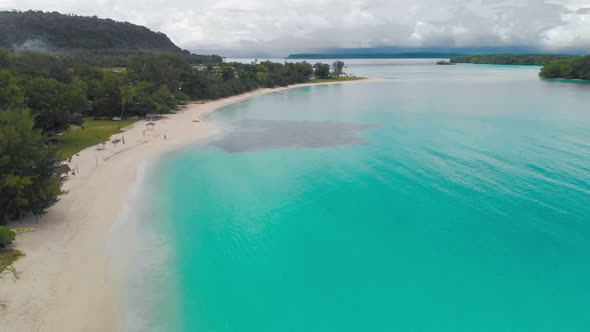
{"points": [[6, 236], [508, 59], [51, 32], [55, 105], [27, 166], [61, 90], [321, 70], [11, 94], [576, 68]]}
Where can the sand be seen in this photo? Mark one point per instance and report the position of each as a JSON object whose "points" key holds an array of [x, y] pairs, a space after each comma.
{"points": [[64, 283]]}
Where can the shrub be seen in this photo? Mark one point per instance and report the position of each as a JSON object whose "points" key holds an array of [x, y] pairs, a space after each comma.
{"points": [[6, 235]]}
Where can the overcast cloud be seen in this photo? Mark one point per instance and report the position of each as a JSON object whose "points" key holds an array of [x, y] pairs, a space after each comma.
{"points": [[280, 27]]}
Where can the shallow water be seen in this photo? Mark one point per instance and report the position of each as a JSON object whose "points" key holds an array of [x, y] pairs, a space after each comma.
{"points": [[447, 198]]}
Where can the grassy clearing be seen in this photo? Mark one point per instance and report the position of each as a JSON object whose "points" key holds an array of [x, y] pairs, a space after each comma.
{"points": [[7, 258], [337, 79], [94, 132]]}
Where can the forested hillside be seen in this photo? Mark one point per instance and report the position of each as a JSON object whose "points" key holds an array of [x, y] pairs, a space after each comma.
{"points": [[54, 32]]}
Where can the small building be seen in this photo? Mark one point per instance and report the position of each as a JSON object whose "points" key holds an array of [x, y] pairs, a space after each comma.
{"points": [[63, 170], [199, 67]]}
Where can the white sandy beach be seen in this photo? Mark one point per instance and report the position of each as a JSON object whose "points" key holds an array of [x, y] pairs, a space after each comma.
{"points": [[64, 284]]}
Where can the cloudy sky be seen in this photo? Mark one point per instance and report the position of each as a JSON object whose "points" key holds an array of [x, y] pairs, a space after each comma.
{"points": [[280, 27]]}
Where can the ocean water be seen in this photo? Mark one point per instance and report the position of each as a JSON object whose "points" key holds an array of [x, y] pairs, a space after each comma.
{"points": [[446, 198]]}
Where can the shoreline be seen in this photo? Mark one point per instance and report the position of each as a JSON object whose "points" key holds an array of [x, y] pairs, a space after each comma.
{"points": [[64, 280]]}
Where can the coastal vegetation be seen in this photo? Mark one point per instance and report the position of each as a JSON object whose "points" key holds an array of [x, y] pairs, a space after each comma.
{"points": [[28, 183], [445, 63], [575, 69], [509, 59], [62, 91], [6, 236], [52, 106]]}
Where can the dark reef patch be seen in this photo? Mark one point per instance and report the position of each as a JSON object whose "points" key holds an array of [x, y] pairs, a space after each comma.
{"points": [[253, 135]]}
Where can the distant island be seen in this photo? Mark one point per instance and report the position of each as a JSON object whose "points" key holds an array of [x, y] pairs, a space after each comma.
{"points": [[445, 63], [571, 69], [495, 59], [509, 59], [413, 55]]}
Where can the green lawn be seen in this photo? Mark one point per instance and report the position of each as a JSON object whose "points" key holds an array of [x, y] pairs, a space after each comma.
{"points": [[94, 132], [7, 258], [338, 79]]}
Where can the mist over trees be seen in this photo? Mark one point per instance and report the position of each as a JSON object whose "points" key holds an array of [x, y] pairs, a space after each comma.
{"points": [[52, 32]]}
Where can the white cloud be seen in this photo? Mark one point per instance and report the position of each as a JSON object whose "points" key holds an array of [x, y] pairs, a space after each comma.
{"points": [[284, 26], [573, 30]]}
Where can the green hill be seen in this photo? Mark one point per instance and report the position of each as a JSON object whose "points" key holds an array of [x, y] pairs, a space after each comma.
{"points": [[54, 32]]}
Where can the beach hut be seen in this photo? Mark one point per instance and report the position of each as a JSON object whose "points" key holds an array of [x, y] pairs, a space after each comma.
{"points": [[63, 171]]}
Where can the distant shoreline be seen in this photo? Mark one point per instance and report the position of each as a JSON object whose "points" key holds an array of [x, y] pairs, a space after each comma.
{"points": [[344, 56], [566, 80], [65, 281]]}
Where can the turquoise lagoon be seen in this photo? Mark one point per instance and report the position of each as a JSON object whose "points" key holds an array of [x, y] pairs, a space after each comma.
{"points": [[445, 198]]}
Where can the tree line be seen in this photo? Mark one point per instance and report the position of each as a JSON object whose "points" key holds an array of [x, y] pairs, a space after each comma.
{"points": [[509, 59], [42, 95], [576, 68]]}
